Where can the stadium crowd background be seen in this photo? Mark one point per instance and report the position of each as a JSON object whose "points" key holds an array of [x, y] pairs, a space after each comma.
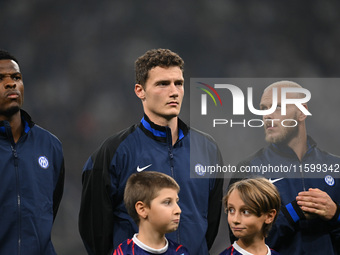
{"points": [[77, 59]]}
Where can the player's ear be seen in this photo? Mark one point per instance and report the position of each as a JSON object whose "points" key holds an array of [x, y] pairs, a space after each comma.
{"points": [[142, 209], [301, 115], [270, 216], [139, 91]]}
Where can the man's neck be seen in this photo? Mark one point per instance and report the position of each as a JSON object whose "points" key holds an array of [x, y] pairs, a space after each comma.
{"points": [[16, 125], [299, 146]]}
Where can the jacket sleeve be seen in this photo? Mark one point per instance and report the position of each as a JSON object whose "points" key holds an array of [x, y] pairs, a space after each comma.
{"points": [[215, 205], [59, 189], [288, 222], [214, 211], [335, 233], [96, 209]]}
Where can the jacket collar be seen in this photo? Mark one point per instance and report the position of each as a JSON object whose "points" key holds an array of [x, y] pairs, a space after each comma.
{"points": [[283, 148], [161, 133], [26, 120]]}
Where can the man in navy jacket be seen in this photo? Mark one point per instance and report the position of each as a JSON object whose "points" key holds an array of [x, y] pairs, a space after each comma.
{"points": [[309, 220], [31, 171], [160, 142]]}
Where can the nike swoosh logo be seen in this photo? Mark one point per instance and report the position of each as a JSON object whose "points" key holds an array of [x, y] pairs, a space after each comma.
{"points": [[143, 168], [275, 180]]}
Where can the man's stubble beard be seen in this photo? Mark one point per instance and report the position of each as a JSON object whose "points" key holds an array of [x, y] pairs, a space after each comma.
{"points": [[288, 133], [10, 111]]}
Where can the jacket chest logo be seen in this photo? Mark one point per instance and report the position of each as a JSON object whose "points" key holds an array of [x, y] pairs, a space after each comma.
{"points": [[329, 180], [140, 169], [43, 162]]}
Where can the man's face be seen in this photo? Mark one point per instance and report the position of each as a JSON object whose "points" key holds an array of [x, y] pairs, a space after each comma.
{"points": [[275, 132], [163, 93], [11, 89]]}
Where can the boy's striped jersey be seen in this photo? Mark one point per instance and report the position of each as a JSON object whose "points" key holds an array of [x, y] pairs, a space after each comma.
{"points": [[135, 247]]}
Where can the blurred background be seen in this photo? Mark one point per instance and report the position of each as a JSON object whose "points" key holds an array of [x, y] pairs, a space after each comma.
{"points": [[77, 58]]}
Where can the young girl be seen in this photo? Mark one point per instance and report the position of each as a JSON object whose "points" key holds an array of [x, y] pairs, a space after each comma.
{"points": [[252, 206]]}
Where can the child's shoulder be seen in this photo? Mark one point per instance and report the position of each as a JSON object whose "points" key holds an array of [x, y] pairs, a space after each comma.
{"points": [[274, 252], [125, 247], [177, 248], [230, 250], [130, 247]]}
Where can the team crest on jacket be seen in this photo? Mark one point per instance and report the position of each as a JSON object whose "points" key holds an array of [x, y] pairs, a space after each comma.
{"points": [[329, 180], [199, 169], [43, 162]]}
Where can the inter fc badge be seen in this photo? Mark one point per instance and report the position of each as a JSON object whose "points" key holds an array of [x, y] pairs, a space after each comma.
{"points": [[43, 162], [329, 180]]}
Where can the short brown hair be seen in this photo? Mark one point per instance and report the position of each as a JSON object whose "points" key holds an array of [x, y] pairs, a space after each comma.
{"points": [[153, 58], [260, 195], [144, 187]]}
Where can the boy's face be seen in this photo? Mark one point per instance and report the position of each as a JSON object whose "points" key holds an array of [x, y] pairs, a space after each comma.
{"points": [[164, 213], [244, 224], [162, 94]]}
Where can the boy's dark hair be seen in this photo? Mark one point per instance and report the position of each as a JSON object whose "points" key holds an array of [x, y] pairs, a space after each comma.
{"points": [[153, 58], [259, 195], [4, 54], [144, 187]]}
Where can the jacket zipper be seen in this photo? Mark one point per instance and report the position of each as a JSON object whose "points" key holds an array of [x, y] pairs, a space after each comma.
{"points": [[16, 159], [171, 156]]}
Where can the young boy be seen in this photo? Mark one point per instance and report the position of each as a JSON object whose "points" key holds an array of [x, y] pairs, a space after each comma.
{"points": [[252, 206], [151, 199]]}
